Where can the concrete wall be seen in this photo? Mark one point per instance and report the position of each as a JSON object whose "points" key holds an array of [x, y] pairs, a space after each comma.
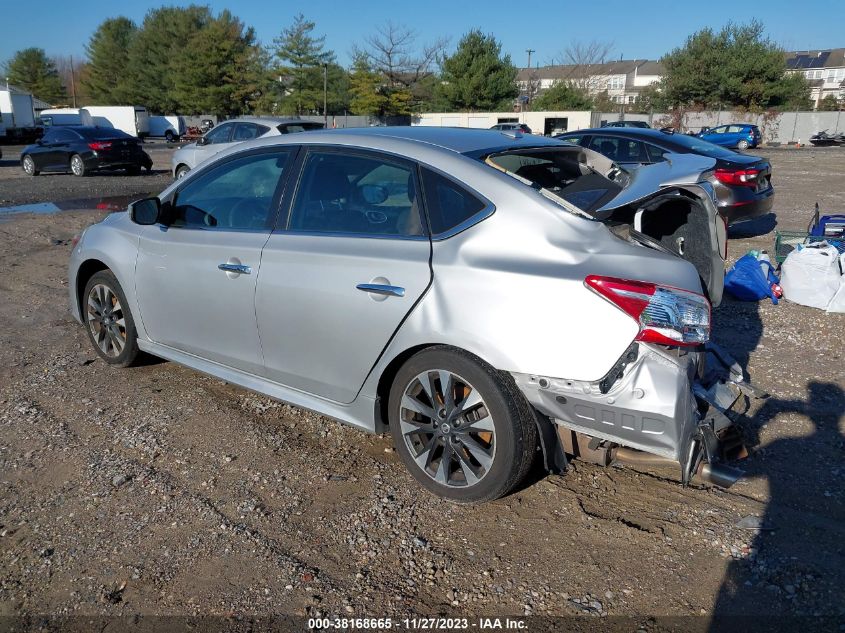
{"points": [[785, 127]]}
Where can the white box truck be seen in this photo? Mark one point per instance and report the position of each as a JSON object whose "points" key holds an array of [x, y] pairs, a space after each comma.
{"points": [[17, 115], [133, 120], [169, 126]]}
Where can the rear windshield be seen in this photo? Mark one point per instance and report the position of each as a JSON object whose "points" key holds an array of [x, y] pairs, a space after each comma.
{"points": [[700, 146], [95, 133], [290, 128], [561, 173]]}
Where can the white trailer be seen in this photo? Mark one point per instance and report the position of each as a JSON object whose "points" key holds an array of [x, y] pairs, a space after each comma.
{"points": [[169, 126], [54, 117], [17, 115], [133, 120]]}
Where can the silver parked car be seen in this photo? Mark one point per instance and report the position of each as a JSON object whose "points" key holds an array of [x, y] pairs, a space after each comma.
{"points": [[483, 295], [231, 133]]}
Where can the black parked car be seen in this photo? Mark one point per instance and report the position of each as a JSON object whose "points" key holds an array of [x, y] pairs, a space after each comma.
{"points": [[639, 124], [82, 149], [743, 183]]}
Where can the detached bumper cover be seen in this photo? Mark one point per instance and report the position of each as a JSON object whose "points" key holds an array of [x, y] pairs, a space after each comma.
{"points": [[651, 408], [666, 403]]}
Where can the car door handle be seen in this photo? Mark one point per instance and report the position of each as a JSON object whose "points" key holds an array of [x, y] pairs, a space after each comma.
{"points": [[381, 289], [235, 268]]}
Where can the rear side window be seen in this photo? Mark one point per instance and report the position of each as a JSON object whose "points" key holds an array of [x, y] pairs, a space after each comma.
{"points": [[448, 203], [65, 136]]}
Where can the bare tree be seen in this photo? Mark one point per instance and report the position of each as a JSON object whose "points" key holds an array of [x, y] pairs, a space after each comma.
{"points": [[586, 64], [70, 72], [392, 51]]}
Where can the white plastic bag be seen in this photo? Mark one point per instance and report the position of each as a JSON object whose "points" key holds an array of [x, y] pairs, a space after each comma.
{"points": [[837, 304], [811, 276]]}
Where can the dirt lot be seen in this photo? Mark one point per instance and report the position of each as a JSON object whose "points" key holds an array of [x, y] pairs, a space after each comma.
{"points": [[157, 490]]}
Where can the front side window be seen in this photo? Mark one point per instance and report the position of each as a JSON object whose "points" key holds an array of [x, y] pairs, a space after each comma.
{"points": [[220, 134], [237, 195], [356, 194], [448, 204]]}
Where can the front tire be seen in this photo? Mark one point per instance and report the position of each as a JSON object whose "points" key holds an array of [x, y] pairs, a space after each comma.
{"points": [[77, 165], [462, 428], [169, 136], [28, 165], [108, 321], [182, 171], [742, 145]]}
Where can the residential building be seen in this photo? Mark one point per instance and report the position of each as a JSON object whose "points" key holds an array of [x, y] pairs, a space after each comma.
{"points": [[623, 80], [823, 69]]}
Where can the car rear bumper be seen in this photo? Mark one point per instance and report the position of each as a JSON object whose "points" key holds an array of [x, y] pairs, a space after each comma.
{"points": [[104, 161], [743, 203], [657, 407]]}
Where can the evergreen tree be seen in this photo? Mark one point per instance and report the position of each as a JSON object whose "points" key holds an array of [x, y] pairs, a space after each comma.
{"points": [[301, 57], [215, 70], [108, 55], [152, 76], [365, 89], [477, 76], [736, 66], [562, 96], [31, 69]]}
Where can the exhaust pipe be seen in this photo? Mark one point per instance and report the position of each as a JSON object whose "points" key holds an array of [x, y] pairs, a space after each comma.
{"points": [[719, 474], [715, 473]]}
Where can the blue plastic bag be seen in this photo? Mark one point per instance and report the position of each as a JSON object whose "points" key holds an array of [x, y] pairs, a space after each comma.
{"points": [[746, 281]]}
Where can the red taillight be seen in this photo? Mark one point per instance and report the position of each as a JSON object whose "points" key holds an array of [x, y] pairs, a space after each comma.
{"points": [[739, 177], [665, 315], [97, 145]]}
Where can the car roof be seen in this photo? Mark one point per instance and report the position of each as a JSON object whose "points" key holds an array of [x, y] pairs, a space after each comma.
{"points": [[643, 132], [274, 120], [460, 140]]}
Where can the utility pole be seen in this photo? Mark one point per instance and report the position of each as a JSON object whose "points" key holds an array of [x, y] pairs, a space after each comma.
{"points": [[72, 82], [529, 51], [325, 95]]}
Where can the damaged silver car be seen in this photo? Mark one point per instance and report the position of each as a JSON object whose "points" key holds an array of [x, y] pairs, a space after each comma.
{"points": [[483, 296]]}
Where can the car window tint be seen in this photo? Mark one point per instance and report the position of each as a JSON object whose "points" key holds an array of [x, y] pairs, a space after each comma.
{"points": [[49, 137], [655, 154], [65, 136], [448, 203], [245, 131], [735, 129], [237, 195], [94, 133], [220, 134], [348, 193], [576, 140], [605, 145]]}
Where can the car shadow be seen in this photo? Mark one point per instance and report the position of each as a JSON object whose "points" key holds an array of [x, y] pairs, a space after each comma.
{"points": [[9, 163], [754, 227]]}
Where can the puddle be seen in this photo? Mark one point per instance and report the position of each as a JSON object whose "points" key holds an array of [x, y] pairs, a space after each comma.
{"points": [[106, 203]]}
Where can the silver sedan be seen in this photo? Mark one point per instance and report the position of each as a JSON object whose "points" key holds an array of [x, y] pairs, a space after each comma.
{"points": [[486, 296]]}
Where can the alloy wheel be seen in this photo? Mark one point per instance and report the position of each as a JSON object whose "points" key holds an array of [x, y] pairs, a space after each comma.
{"points": [[106, 320], [76, 166], [447, 428], [29, 165]]}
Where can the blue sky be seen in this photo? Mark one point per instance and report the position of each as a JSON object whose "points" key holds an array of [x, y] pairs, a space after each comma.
{"points": [[635, 29]]}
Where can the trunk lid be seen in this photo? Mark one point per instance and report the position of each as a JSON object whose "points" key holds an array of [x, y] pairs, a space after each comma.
{"points": [[669, 206]]}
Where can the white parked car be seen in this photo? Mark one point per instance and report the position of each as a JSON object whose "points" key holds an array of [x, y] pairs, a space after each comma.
{"points": [[231, 133]]}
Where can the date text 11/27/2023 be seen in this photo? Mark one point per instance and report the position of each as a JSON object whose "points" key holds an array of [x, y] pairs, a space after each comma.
{"points": [[416, 624]]}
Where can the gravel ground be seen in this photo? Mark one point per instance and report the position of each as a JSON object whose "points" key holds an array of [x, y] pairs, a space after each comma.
{"points": [[157, 490]]}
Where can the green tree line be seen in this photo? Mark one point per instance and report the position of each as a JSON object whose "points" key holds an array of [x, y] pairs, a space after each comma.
{"points": [[190, 60]]}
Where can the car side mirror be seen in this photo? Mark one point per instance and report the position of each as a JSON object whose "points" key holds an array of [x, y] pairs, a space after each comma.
{"points": [[374, 194], [145, 212], [202, 141]]}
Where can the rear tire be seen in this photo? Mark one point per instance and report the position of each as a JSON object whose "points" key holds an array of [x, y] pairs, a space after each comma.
{"points": [[169, 136], [77, 165], [742, 145], [28, 165], [108, 321], [475, 439], [133, 171]]}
